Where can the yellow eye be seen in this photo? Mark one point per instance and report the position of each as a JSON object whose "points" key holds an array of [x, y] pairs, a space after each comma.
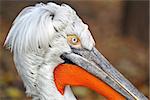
{"points": [[73, 39]]}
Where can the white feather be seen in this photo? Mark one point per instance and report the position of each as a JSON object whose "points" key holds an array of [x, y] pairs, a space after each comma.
{"points": [[34, 29]]}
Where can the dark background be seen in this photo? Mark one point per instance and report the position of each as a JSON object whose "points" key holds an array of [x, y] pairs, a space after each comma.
{"points": [[120, 29]]}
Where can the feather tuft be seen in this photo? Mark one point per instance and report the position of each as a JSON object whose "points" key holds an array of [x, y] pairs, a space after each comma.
{"points": [[35, 26]]}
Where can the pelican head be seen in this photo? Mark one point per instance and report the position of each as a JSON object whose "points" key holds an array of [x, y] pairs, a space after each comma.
{"points": [[53, 50]]}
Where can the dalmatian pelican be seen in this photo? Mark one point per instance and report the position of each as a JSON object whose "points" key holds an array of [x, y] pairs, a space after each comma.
{"points": [[53, 49]]}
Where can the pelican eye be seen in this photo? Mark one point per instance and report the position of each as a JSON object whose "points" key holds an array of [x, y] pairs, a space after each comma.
{"points": [[73, 40]]}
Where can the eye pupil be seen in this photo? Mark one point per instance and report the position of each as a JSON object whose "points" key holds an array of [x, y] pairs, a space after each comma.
{"points": [[74, 40]]}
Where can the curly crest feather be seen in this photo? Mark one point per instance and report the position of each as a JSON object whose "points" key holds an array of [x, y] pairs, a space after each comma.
{"points": [[36, 25]]}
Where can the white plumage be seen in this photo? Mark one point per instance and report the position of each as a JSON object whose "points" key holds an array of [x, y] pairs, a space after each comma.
{"points": [[37, 39]]}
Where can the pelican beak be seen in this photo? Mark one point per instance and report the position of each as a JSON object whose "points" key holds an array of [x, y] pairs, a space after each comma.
{"points": [[94, 63]]}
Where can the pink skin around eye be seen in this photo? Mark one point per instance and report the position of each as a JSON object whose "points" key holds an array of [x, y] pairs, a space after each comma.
{"points": [[74, 43]]}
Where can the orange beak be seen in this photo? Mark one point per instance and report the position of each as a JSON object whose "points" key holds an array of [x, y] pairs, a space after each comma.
{"points": [[68, 74], [89, 68]]}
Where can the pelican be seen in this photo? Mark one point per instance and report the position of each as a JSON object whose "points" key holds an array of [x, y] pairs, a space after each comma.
{"points": [[53, 49]]}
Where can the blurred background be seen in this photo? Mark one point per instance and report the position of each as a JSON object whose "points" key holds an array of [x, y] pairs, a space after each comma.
{"points": [[120, 29]]}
